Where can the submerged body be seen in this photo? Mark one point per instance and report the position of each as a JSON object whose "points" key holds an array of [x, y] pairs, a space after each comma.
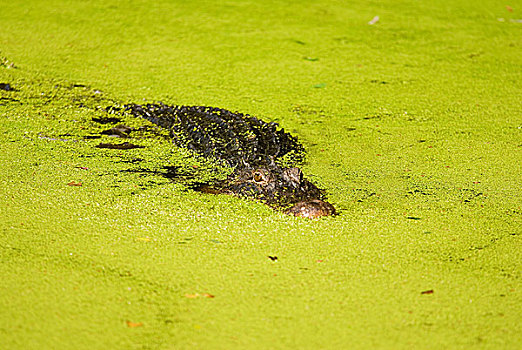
{"points": [[253, 148]]}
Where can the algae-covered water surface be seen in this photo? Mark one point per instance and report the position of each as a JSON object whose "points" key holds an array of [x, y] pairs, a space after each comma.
{"points": [[410, 112]]}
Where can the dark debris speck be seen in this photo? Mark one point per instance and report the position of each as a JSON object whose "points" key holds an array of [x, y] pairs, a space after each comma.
{"points": [[6, 87]]}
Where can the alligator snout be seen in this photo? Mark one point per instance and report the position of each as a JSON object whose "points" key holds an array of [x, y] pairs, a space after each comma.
{"points": [[311, 209]]}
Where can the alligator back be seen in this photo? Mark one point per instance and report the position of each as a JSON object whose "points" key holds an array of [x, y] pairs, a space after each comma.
{"points": [[237, 139]]}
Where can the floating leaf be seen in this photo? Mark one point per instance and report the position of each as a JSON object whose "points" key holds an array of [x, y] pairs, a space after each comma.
{"points": [[311, 59], [72, 183], [430, 291], [273, 258], [319, 86], [197, 295], [133, 324], [374, 20]]}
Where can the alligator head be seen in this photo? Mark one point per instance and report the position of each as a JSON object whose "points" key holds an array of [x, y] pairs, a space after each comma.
{"points": [[284, 188]]}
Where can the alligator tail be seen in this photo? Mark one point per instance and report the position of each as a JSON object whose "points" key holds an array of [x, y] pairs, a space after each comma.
{"points": [[158, 114]]}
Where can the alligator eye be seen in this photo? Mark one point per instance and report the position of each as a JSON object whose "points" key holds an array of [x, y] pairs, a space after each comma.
{"points": [[258, 176]]}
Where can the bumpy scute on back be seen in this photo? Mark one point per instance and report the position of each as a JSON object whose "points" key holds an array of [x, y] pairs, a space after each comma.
{"points": [[235, 138]]}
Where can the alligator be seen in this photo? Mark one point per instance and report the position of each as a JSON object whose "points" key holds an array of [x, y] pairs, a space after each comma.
{"points": [[263, 157]]}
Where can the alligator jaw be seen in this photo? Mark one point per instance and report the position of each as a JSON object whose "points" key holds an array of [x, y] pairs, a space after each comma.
{"points": [[311, 209]]}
